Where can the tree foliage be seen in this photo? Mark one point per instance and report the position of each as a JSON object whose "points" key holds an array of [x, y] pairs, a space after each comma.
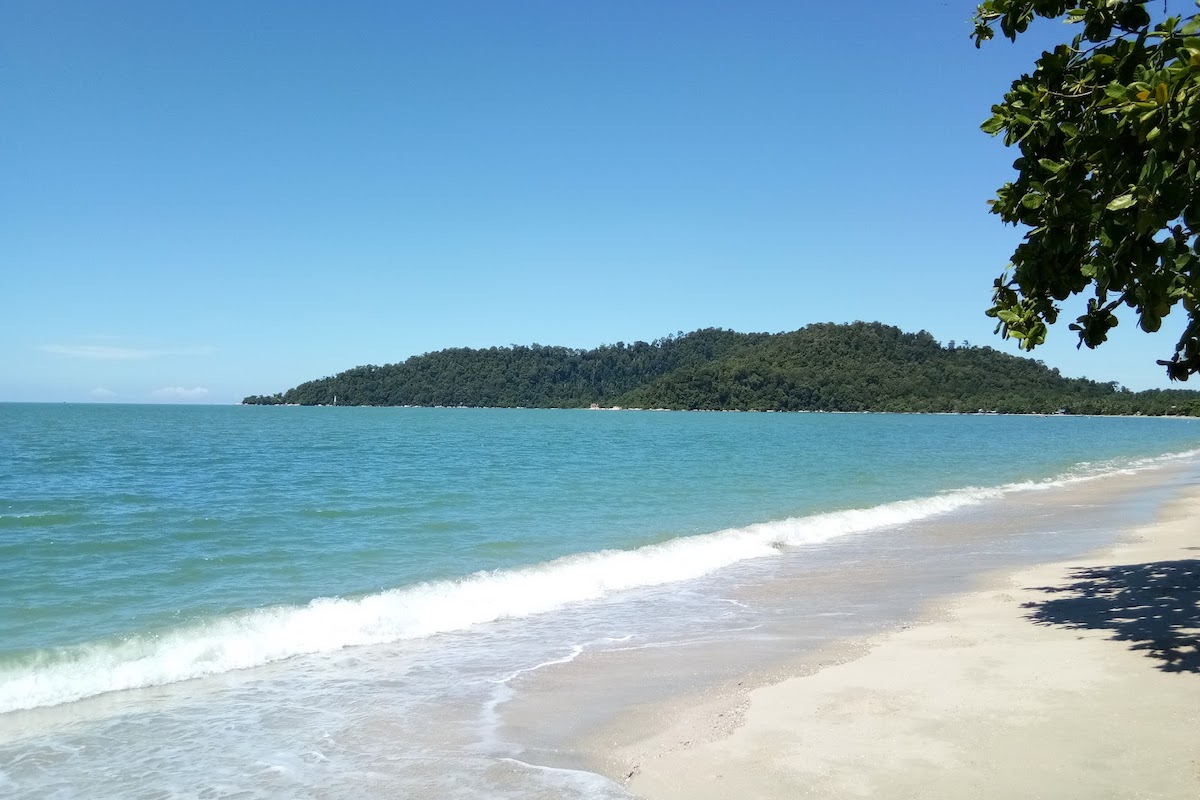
{"points": [[1108, 171], [826, 367]]}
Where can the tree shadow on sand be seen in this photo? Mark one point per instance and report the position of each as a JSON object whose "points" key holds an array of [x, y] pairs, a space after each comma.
{"points": [[1155, 606]]}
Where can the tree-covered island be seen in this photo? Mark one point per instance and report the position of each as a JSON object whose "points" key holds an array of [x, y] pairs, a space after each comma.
{"points": [[863, 366]]}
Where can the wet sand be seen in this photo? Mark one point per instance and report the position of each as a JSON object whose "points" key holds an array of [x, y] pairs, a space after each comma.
{"points": [[1076, 679]]}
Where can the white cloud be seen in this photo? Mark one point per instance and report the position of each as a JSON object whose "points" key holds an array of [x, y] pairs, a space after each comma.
{"points": [[100, 393], [107, 352], [97, 352], [180, 393]]}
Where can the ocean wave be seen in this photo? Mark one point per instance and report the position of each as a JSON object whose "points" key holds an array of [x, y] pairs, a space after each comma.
{"points": [[40, 520], [327, 624]]}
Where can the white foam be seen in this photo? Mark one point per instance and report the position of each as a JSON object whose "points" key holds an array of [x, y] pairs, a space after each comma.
{"points": [[576, 651], [590, 784], [328, 624]]}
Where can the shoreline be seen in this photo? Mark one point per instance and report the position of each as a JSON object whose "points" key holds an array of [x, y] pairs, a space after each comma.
{"points": [[1051, 680], [1136, 415]]}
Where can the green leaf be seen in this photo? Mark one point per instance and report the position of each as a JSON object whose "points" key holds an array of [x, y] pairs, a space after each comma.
{"points": [[1191, 217], [1124, 201], [1116, 91], [993, 125], [1032, 201]]}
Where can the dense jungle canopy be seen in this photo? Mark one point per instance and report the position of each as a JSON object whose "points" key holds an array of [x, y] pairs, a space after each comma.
{"points": [[824, 367]]}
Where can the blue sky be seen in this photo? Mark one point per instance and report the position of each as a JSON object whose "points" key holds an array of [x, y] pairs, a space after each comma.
{"points": [[207, 200]]}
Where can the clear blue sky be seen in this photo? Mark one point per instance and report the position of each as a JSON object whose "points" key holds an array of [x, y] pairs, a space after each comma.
{"points": [[204, 200]]}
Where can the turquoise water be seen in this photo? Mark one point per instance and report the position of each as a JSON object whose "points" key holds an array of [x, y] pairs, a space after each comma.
{"points": [[144, 546], [131, 519]]}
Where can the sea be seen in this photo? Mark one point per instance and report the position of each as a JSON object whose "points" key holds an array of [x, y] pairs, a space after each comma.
{"points": [[285, 602]]}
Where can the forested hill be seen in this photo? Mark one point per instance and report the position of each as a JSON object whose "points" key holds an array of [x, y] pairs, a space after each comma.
{"points": [[857, 367]]}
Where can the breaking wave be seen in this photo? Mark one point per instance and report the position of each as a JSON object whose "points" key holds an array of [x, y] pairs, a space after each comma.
{"points": [[61, 675]]}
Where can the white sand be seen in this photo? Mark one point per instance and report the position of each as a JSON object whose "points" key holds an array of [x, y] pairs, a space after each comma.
{"points": [[977, 700]]}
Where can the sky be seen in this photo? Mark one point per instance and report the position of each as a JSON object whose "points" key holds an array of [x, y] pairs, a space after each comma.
{"points": [[206, 200]]}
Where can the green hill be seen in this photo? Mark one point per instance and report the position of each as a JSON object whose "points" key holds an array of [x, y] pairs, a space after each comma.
{"points": [[863, 366]]}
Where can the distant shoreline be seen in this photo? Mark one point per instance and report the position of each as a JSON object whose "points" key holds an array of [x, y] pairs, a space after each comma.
{"points": [[729, 411]]}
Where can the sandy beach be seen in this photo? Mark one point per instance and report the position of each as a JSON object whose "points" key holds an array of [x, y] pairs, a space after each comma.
{"points": [[1078, 679]]}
